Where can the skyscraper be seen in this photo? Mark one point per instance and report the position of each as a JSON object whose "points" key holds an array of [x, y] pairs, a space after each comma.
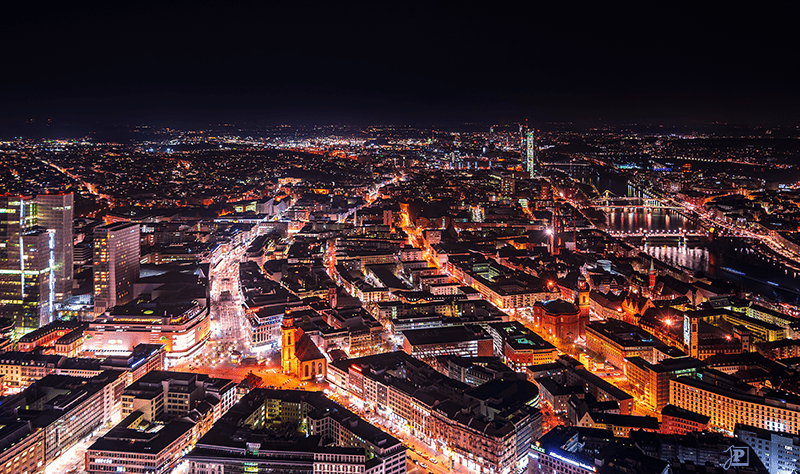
{"points": [[116, 264], [531, 153], [54, 212], [35, 257]]}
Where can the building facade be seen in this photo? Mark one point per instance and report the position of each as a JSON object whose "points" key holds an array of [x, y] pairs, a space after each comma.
{"points": [[182, 325], [482, 436], [329, 439], [464, 341], [164, 414], [65, 409], [300, 356], [55, 212], [21, 448], [560, 320], [35, 257], [116, 264], [651, 381], [726, 407], [519, 347], [676, 420], [779, 452]]}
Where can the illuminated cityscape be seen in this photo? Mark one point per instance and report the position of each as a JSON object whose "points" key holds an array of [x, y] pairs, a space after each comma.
{"points": [[330, 239]]}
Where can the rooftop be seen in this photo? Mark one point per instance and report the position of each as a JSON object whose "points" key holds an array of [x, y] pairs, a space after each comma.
{"points": [[678, 412], [444, 335], [559, 306]]}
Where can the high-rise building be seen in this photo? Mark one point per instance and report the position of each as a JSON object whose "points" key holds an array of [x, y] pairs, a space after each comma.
{"points": [[530, 153], [35, 257], [33, 281], [54, 212], [116, 264]]}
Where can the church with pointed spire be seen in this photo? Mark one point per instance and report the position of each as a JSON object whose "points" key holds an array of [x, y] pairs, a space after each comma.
{"points": [[651, 280]]}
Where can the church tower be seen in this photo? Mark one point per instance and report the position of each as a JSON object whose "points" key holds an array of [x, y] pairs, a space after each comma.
{"points": [[583, 305], [652, 277], [288, 342], [583, 295]]}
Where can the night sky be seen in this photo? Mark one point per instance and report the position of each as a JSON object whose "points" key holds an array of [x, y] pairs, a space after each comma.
{"points": [[425, 63]]}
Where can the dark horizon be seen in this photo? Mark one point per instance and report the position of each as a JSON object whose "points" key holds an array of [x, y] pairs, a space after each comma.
{"points": [[193, 63]]}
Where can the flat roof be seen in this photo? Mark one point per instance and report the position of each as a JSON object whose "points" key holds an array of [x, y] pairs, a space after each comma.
{"points": [[450, 334], [161, 436], [623, 333], [678, 412]]}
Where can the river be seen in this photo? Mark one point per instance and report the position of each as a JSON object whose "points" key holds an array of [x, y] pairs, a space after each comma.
{"points": [[726, 258]]}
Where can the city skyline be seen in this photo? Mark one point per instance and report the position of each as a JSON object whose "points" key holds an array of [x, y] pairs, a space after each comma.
{"points": [[404, 300], [399, 238]]}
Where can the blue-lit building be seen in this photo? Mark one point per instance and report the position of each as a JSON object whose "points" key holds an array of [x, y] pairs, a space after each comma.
{"points": [[35, 257]]}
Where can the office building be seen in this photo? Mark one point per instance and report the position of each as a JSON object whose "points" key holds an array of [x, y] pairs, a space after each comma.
{"points": [[469, 340], [519, 347], [474, 371], [676, 420], [571, 450], [615, 341], [650, 382], [54, 212], [256, 435], [568, 372], [507, 186], [164, 395], [506, 288], [21, 369], [761, 330], [780, 452], [531, 153], [727, 404], [116, 264], [143, 359], [164, 414], [21, 448], [620, 425], [706, 452], [66, 409], [27, 292], [138, 445], [35, 257]]}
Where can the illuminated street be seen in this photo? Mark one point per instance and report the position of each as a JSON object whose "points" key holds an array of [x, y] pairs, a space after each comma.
{"points": [[73, 461], [519, 239]]}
